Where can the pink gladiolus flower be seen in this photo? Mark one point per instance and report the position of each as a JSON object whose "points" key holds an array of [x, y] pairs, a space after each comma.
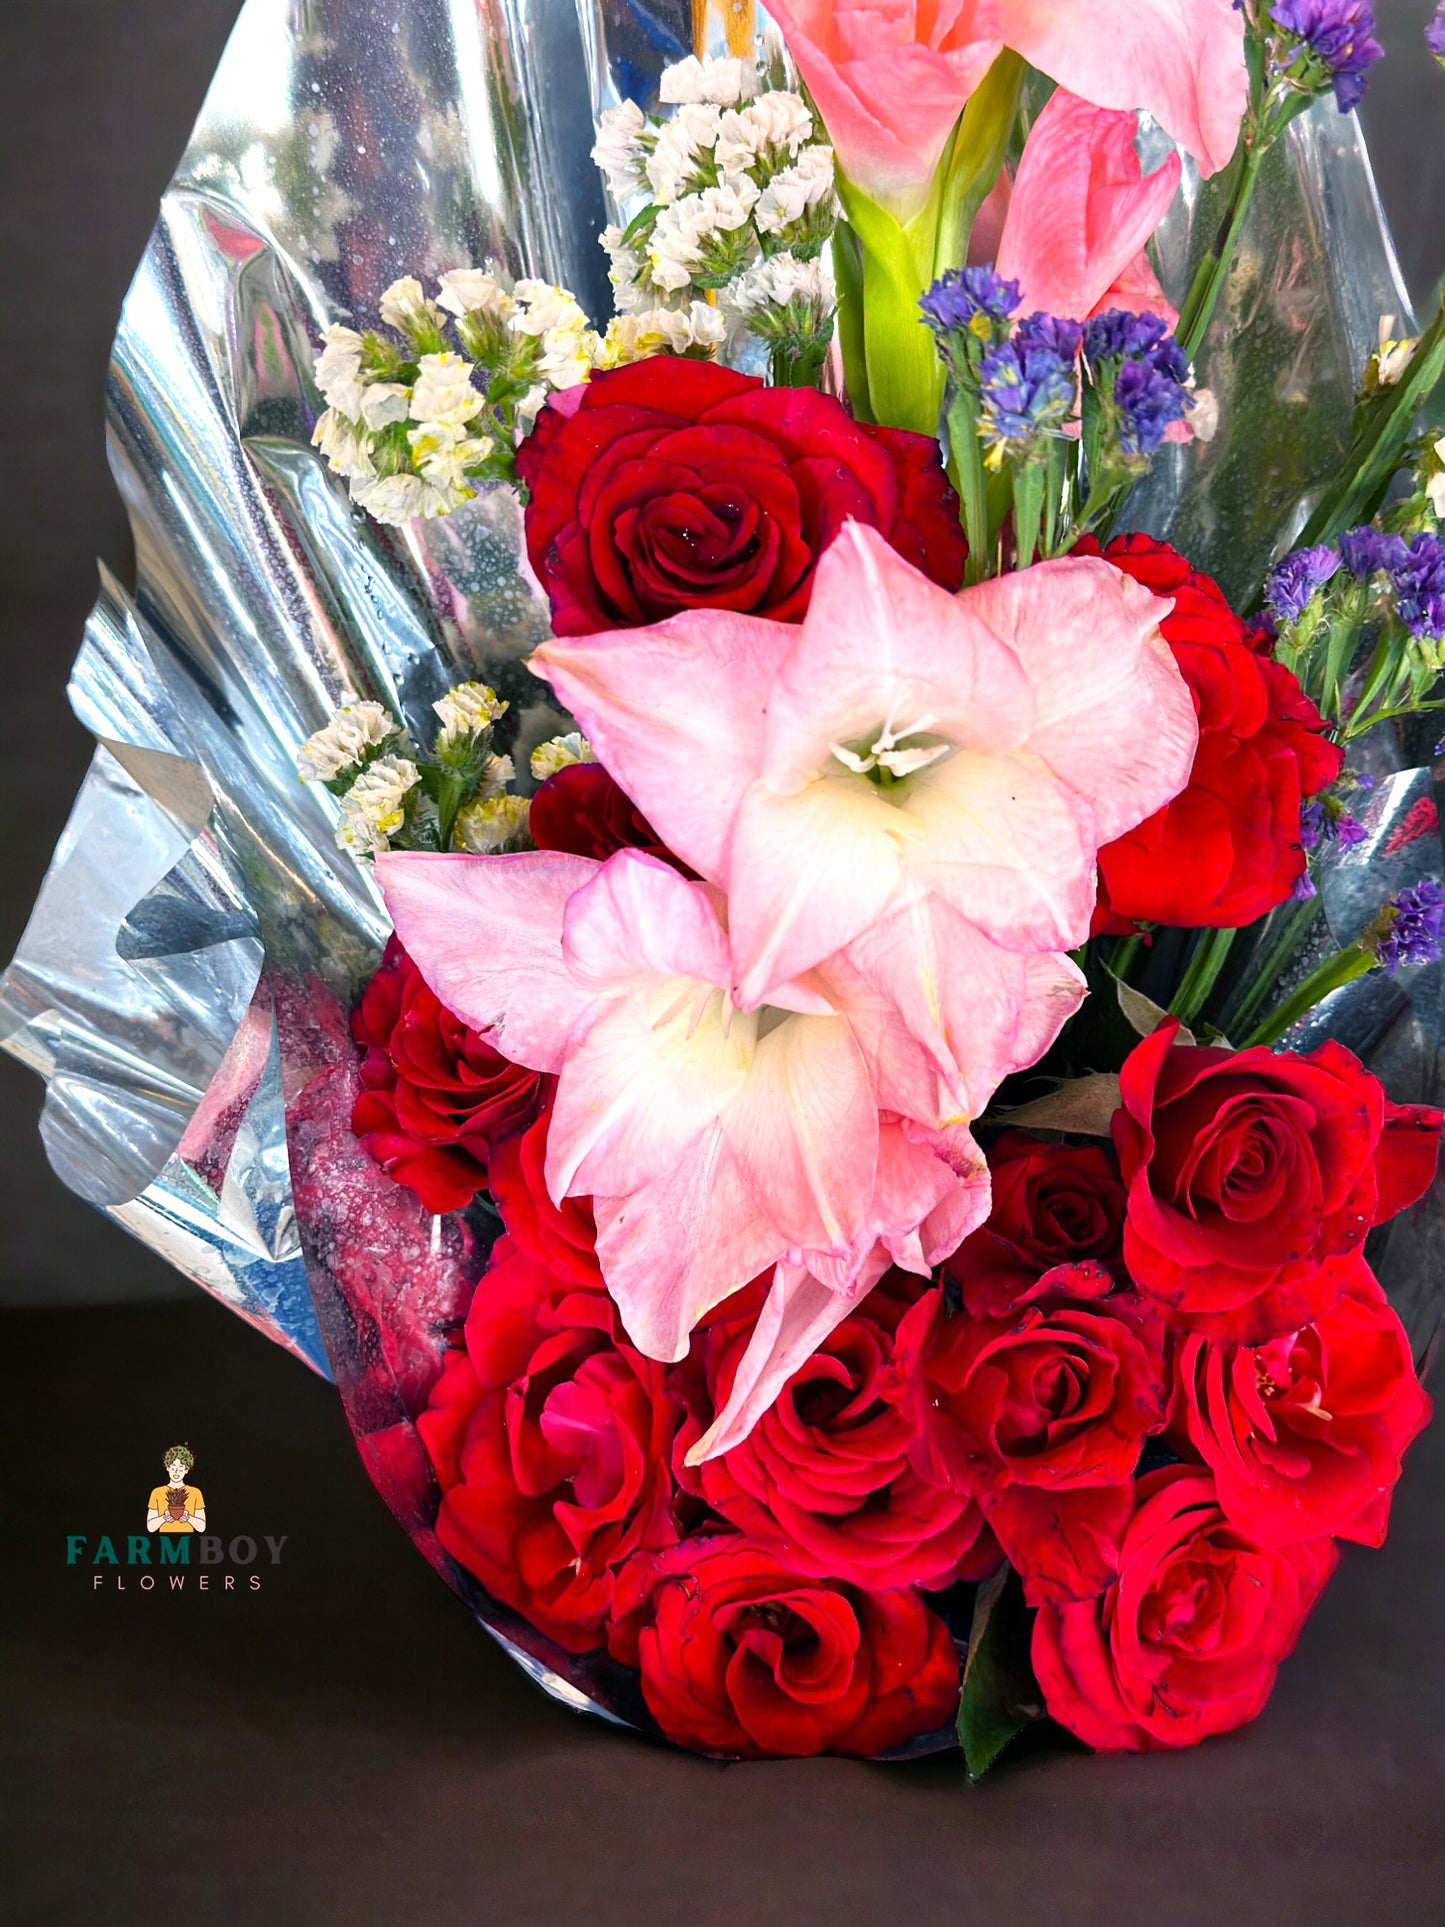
{"points": [[715, 1143], [1080, 213], [890, 78], [1180, 60], [903, 751]]}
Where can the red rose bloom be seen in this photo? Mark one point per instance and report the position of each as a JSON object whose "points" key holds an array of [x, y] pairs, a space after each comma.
{"points": [[584, 811], [1304, 1435], [676, 484], [561, 1237], [1227, 849], [1187, 1640], [1053, 1204], [550, 1437], [836, 1479], [739, 1655], [436, 1096], [1253, 1178], [1051, 1408]]}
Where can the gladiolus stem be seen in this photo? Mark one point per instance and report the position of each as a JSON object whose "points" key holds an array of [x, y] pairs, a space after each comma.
{"points": [[966, 458], [1289, 932], [1204, 290], [1333, 974], [1210, 955]]}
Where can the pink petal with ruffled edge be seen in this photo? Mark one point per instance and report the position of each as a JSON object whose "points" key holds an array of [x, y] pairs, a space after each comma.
{"points": [[675, 713], [1180, 60], [486, 934], [1115, 718], [1080, 212]]}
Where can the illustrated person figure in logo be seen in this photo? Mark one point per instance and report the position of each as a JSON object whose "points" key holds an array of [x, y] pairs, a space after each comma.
{"points": [[177, 1507]]}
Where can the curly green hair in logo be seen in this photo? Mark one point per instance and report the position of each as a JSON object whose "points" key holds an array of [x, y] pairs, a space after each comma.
{"points": [[182, 1452]]}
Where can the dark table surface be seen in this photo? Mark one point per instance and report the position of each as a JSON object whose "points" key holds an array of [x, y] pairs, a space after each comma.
{"points": [[344, 1743]]}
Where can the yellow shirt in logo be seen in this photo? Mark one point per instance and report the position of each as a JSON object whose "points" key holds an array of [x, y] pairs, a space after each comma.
{"points": [[194, 1503]]}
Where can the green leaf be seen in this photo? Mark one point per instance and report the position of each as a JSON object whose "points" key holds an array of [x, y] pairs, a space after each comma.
{"points": [[1000, 1694], [1085, 1105], [1383, 426]]}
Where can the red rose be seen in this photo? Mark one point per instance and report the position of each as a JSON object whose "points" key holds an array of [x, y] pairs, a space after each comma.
{"points": [[1253, 1178], [835, 1478], [436, 1096], [1051, 1407], [1053, 1204], [1227, 849], [740, 1655], [1187, 1640], [676, 484], [584, 811], [1304, 1435], [562, 1237], [551, 1438]]}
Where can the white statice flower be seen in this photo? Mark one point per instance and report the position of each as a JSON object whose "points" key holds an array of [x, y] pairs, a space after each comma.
{"points": [[444, 391], [688, 231], [561, 752], [355, 729], [662, 331], [338, 371], [489, 824], [717, 81], [1392, 358], [782, 281], [466, 711], [405, 304], [474, 291], [626, 264], [794, 191], [618, 150], [384, 402], [374, 808], [346, 447], [774, 124], [569, 347], [683, 151], [395, 499], [441, 453]]}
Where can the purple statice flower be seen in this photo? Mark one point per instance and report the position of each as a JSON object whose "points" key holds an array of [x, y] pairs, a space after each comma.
{"points": [[1411, 927], [1304, 887], [1060, 336], [1294, 582], [973, 300], [1324, 819], [1419, 581], [1366, 550], [1340, 34], [1435, 33], [1025, 389], [1151, 380], [1149, 402]]}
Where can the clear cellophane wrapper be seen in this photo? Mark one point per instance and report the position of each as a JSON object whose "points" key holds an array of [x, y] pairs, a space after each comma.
{"points": [[185, 982]]}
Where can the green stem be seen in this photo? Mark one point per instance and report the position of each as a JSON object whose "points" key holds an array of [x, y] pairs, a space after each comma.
{"points": [[1028, 484], [798, 371], [1208, 283], [1121, 960], [1333, 974], [966, 457], [1289, 933], [1210, 954]]}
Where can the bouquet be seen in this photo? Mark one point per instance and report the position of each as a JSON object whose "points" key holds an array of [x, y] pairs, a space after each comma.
{"points": [[797, 934]]}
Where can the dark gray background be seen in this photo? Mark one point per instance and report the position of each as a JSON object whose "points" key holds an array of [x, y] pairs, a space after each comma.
{"points": [[346, 1745]]}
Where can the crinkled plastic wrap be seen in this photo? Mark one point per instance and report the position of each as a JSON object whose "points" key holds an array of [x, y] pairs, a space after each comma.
{"points": [[185, 980]]}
